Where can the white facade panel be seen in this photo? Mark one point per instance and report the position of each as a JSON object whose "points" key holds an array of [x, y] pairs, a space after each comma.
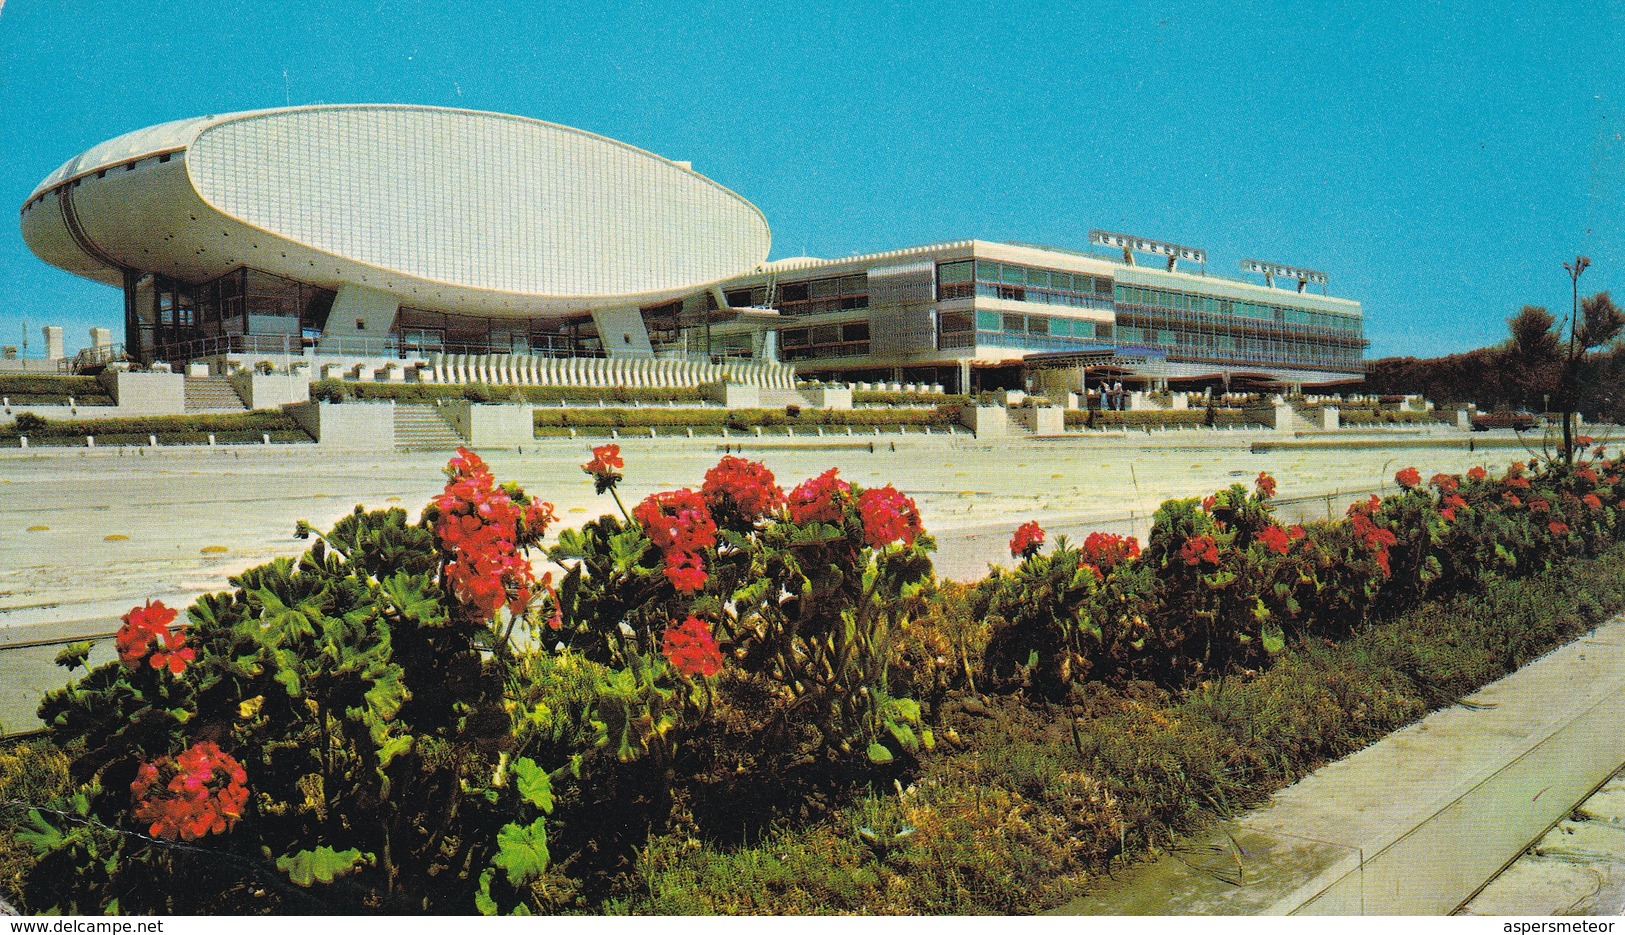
{"points": [[482, 201]]}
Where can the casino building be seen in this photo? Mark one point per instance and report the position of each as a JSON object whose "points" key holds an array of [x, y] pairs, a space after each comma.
{"points": [[421, 234]]}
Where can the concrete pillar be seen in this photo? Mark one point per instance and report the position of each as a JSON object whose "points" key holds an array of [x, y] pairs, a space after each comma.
{"points": [[101, 337], [53, 342]]}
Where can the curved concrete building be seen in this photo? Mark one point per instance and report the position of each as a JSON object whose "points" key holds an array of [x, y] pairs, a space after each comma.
{"points": [[389, 222]]}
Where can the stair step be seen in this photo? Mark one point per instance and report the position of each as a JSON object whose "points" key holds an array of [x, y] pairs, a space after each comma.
{"points": [[421, 428], [212, 394]]}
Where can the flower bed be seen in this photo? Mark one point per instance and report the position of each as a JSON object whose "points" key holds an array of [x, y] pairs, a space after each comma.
{"points": [[745, 698]]}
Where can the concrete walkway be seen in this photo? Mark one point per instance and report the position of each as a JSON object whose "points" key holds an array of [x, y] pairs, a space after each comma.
{"points": [[1577, 868], [1416, 823]]}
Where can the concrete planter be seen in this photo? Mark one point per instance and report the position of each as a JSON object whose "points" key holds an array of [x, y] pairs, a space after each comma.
{"points": [[146, 394], [986, 421], [270, 390], [829, 397], [355, 426], [491, 425]]}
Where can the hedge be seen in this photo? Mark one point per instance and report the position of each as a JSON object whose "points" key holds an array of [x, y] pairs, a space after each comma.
{"points": [[32, 390], [741, 418], [338, 390], [1172, 418], [171, 430]]}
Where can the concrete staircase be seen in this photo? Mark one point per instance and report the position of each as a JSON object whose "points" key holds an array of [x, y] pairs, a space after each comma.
{"points": [[419, 427], [212, 394]]}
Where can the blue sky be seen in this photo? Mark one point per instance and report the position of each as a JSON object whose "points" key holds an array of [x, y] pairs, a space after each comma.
{"points": [[1437, 162]]}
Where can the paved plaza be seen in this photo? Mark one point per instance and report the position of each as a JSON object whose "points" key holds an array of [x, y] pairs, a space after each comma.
{"points": [[123, 526]]}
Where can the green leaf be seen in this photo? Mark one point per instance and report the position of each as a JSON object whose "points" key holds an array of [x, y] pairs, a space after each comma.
{"points": [[482, 897], [534, 784], [1274, 639], [928, 740], [878, 754], [522, 851], [321, 865], [74, 655]]}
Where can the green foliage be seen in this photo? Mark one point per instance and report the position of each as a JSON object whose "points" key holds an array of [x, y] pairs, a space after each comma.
{"points": [[368, 717], [171, 430], [43, 390]]}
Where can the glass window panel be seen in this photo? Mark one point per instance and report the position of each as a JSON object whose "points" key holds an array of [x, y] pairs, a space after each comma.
{"points": [[1061, 326], [1037, 325], [987, 321], [987, 270], [1014, 274], [1103, 286], [960, 271], [1061, 281], [1014, 323], [1038, 277], [1083, 329]]}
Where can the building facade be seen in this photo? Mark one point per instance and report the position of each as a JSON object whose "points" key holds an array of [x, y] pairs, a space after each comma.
{"points": [[975, 315], [391, 231]]}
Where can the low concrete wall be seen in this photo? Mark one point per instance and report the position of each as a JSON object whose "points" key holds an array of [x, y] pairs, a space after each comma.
{"points": [[829, 397], [1331, 418], [146, 394], [1040, 420], [270, 390], [986, 421], [491, 425], [734, 395], [366, 426]]}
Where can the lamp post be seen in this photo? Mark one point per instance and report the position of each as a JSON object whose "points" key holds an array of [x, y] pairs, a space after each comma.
{"points": [[1575, 269]]}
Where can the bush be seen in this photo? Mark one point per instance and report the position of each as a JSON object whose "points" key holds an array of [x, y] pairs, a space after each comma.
{"points": [[32, 390], [28, 423], [171, 430]]}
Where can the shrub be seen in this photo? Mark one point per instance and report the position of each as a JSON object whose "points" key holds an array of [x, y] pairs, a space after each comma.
{"points": [[28, 423]]}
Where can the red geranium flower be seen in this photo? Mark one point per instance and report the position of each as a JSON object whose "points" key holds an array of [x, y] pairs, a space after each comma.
{"points": [[1584, 441], [1586, 474], [1029, 538], [145, 635], [1537, 505], [201, 792], [888, 516], [685, 571], [1104, 550], [1208, 502], [1557, 528], [1445, 482], [480, 528], [606, 459], [1275, 539], [747, 485], [1198, 549], [677, 520], [819, 499], [691, 649], [1476, 473], [1265, 484], [1408, 478], [1592, 501], [605, 467]]}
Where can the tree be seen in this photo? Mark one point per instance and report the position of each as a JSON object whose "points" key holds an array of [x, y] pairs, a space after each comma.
{"points": [[1602, 323]]}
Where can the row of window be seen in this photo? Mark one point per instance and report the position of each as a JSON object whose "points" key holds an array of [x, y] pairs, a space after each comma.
{"points": [[1257, 311], [1014, 274], [1007, 322]]}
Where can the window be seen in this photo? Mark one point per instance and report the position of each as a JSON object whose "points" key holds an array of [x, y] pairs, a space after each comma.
{"points": [[1014, 323], [855, 331], [987, 321], [1037, 325]]}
